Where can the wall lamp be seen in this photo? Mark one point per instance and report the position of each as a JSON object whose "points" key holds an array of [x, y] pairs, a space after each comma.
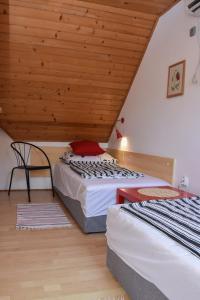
{"points": [[118, 133]]}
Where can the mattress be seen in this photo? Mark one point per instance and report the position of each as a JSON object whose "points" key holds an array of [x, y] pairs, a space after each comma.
{"points": [[88, 225], [95, 195], [135, 285], [153, 255]]}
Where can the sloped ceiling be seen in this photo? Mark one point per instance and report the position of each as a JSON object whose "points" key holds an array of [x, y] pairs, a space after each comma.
{"points": [[66, 66]]}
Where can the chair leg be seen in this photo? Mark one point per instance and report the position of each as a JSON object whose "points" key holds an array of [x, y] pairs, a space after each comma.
{"points": [[28, 184], [11, 178], [52, 182]]}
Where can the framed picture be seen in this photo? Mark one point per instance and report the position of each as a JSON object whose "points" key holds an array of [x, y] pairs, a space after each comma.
{"points": [[176, 79]]}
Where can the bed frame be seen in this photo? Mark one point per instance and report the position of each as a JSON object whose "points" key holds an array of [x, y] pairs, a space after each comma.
{"points": [[87, 224], [135, 285]]}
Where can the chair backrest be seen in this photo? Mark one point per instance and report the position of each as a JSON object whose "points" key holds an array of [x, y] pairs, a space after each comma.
{"points": [[23, 151]]}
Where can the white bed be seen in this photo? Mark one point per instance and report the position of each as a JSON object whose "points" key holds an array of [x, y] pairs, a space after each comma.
{"points": [[154, 256], [94, 196]]}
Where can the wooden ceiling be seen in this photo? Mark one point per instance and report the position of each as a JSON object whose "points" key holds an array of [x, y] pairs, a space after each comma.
{"points": [[66, 66]]}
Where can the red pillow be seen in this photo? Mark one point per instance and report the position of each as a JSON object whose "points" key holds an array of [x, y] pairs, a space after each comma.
{"points": [[86, 148]]}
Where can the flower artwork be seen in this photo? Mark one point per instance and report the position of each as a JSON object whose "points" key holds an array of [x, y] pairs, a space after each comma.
{"points": [[176, 79]]}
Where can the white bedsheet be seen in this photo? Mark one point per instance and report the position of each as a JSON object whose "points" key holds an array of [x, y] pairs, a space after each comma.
{"points": [[156, 257], [95, 195]]}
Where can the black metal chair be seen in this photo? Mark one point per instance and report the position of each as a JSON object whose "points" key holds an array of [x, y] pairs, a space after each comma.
{"points": [[22, 152]]}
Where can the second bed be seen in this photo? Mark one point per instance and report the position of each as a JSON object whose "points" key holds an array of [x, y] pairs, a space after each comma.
{"points": [[148, 263]]}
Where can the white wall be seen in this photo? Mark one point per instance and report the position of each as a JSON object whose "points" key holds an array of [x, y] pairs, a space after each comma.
{"points": [[8, 161], [155, 124]]}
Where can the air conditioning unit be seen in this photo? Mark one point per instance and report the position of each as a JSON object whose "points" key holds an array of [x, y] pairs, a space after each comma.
{"points": [[193, 7]]}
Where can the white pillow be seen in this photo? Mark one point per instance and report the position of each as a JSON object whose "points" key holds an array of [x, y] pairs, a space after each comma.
{"points": [[71, 157]]}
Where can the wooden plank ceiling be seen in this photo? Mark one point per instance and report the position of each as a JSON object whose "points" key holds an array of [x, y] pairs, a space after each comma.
{"points": [[66, 66]]}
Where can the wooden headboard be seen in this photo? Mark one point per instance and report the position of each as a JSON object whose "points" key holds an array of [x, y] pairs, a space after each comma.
{"points": [[161, 167], [157, 166], [53, 154]]}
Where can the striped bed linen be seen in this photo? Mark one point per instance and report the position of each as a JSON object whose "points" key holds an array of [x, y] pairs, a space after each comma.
{"points": [[90, 170], [179, 219]]}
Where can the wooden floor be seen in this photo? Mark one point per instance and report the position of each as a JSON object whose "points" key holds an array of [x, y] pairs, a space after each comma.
{"points": [[50, 264]]}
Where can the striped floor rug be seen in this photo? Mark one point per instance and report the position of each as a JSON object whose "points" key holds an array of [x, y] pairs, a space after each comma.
{"points": [[41, 216]]}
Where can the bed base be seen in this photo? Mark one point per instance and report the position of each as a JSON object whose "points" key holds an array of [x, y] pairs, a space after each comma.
{"points": [[88, 225], [135, 285]]}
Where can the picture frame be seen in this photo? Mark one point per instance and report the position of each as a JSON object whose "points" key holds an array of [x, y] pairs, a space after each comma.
{"points": [[176, 79]]}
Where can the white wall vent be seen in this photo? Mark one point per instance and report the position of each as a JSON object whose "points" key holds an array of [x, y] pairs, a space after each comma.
{"points": [[193, 7]]}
